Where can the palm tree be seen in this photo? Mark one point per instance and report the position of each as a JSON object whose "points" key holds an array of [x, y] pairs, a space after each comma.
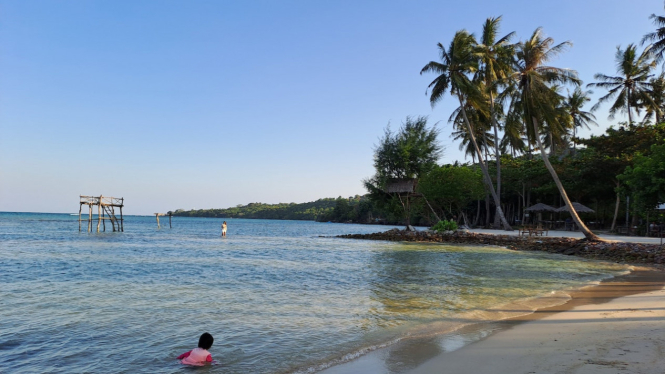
{"points": [[658, 37], [574, 104], [495, 65], [512, 134], [631, 85], [657, 94], [555, 130], [453, 72], [484, 139], [538, 100]]}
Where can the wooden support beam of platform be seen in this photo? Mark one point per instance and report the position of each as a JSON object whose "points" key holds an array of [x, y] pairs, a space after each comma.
{"points": [[105, 211]]}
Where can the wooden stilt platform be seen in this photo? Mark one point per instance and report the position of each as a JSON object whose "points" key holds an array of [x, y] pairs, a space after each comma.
{"points": [[105, 211]]}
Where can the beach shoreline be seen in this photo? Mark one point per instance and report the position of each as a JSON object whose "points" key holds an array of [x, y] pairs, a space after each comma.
{"points": [[634, 300], [624, 252], [622, 311]]}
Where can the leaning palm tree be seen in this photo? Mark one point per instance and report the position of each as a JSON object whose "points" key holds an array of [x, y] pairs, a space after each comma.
{"points": [[495, 65], [631, 86], [453, 72], [574, 103], [657, 37], [538, 100]]}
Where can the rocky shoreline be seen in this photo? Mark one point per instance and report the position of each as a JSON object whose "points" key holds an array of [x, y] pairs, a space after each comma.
{"points": [[620, 252]]}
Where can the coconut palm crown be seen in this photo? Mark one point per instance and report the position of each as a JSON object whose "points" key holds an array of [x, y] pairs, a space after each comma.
{"points": [[657, 38], [657, 95], [574, 104], [631, 86], [535, 80]]}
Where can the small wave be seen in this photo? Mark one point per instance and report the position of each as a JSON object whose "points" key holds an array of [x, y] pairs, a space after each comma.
{"points": [[348, 357]]}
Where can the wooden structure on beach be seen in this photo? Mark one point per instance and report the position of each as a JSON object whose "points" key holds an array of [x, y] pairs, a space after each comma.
{"points": [[406, 187], [105, 211], [170, 214]]}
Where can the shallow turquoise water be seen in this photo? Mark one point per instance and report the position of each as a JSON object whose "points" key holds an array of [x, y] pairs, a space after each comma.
{"points": [[277, 297]]}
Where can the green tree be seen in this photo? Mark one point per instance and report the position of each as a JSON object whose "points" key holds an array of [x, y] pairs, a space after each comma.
{"points": [[657, 93], [457, 63], [574, 104], [539, 101], [615, 150], [554, 130], [450, 188], [646, 178], [513, 131], [656, 37], [484, 139], [407, 154], [631, 86]]}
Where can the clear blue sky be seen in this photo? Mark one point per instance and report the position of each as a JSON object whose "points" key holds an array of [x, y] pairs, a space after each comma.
{"points": [[202, 104]]}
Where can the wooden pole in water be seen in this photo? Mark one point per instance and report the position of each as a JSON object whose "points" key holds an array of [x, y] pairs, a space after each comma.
{"points": [[170, 221], [157, 216], [121, 225], [113, 218], [90, 218], [104, 218], [80, 206], [99, 212]]}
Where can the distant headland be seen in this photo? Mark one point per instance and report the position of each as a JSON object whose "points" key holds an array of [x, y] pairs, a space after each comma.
{"points": [[356, 209]]}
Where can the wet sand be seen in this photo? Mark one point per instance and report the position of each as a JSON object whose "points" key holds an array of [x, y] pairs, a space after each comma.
{"points": [[617, 326]]}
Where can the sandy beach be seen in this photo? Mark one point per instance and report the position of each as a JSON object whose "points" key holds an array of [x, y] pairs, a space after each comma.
{"points": [[618, 326]]}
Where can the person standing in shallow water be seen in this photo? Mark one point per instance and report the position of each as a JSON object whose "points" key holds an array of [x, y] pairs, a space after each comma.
{"points": [[224, 228]]}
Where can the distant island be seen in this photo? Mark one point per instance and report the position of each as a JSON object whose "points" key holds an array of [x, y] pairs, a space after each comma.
{"points": [[356, 209]]}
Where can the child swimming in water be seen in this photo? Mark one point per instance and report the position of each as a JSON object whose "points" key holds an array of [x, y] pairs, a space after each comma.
{"points": [[199, 356]]}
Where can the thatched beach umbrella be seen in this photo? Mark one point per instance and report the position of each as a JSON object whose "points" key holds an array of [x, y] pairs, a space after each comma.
{"points": [[540, 207], [578, 207]]}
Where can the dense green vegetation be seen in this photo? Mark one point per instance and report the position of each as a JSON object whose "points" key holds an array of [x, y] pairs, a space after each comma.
{"points": [[306, 211], [352, 209]]}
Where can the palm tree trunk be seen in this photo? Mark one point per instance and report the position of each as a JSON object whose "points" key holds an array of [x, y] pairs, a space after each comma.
{"points": [[630, 116], [616, 211], [496, 152], [487, 210], [483, 167], [477, 217], [578, 221]]}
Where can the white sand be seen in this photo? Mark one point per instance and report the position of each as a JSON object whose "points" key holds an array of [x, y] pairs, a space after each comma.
{"points": [[626, 335], [592, 334]]}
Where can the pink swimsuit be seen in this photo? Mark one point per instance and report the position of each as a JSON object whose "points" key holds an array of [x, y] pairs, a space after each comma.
{"points": [[197, 356]]}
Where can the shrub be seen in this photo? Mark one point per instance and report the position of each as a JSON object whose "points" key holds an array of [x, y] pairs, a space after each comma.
{"points": [[445, 226]]}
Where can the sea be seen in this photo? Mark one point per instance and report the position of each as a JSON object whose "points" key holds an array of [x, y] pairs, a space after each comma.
{"points": [[277, 296]]}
